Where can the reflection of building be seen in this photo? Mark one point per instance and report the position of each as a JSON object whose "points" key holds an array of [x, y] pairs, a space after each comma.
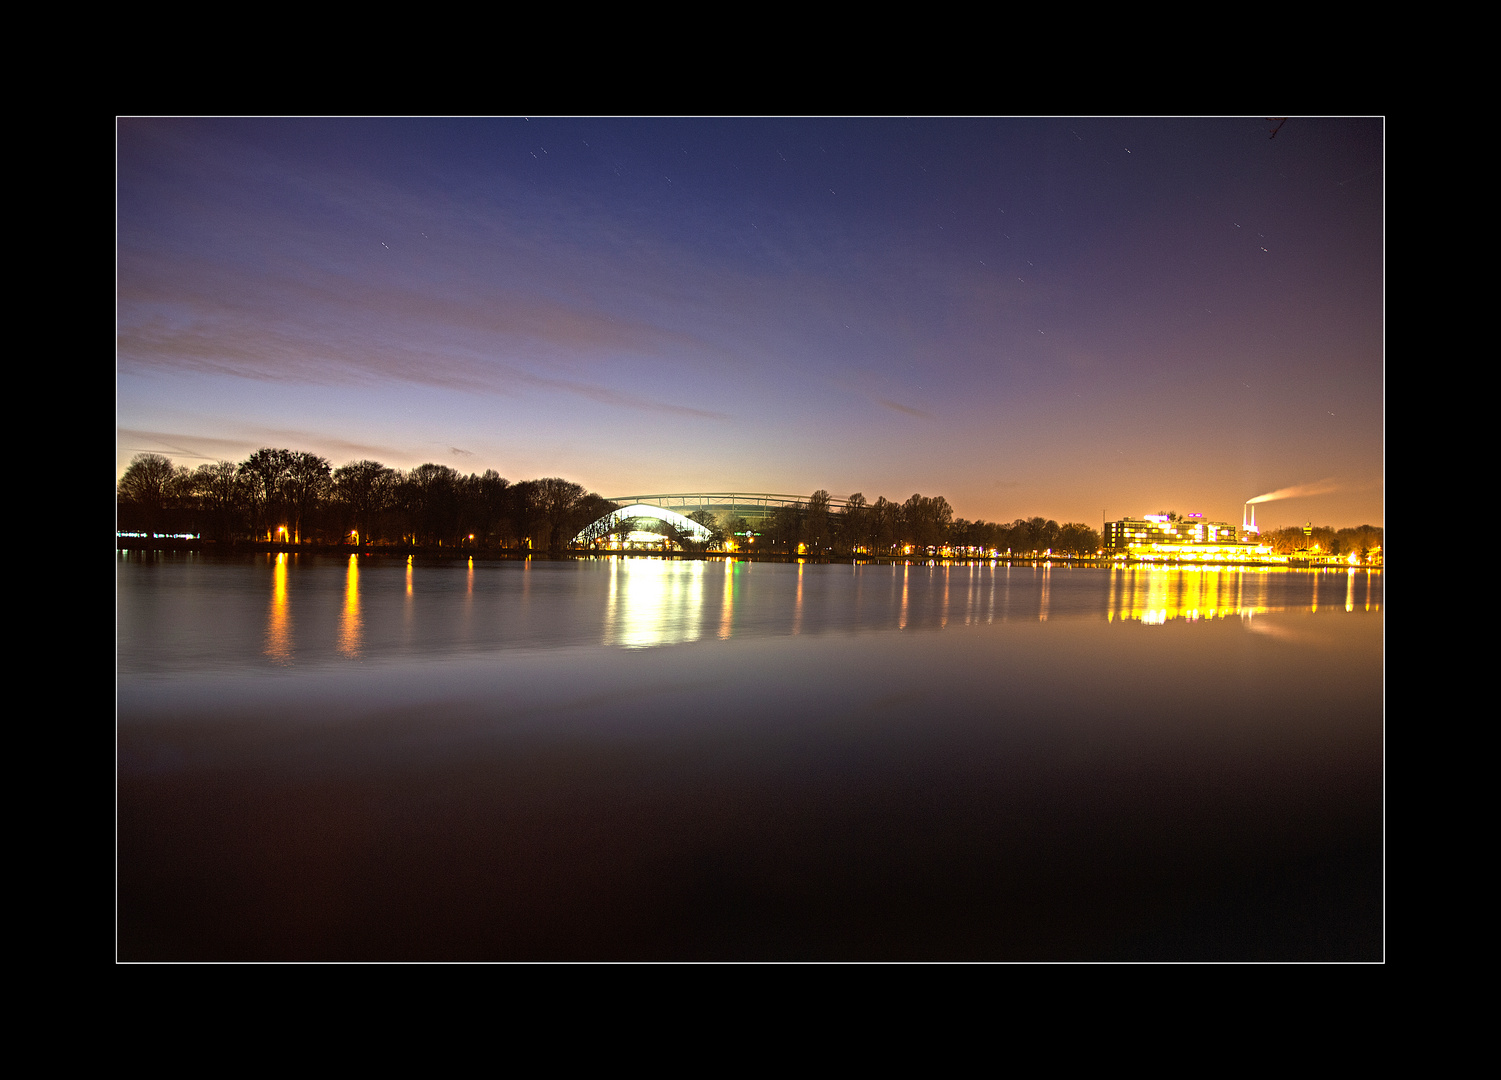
{"points": [[1160, 536]]}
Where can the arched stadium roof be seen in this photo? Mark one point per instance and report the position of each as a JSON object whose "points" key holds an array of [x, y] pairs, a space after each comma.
{"points": [[606, 525]]}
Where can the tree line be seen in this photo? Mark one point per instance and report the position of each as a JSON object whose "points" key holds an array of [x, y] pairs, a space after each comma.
{"points": [[1360, 540], [921, 525], [292, 496], [296, 497]]}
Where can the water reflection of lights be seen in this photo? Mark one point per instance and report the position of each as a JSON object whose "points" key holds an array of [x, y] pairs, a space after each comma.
{"points": [[279, 618], [727, 610], [906, 575], [797, 606], [943, 618], [1157, 595], [654, 602], [351, 624]]}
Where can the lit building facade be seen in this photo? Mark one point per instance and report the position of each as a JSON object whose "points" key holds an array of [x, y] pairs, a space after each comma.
{"points": [[1157, 536]]}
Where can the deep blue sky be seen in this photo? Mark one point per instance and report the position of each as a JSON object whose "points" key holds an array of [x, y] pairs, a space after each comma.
{"points": [[1056, 317]]}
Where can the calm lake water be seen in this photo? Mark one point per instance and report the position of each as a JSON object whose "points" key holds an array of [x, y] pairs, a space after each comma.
{"points": [[653, 759]]}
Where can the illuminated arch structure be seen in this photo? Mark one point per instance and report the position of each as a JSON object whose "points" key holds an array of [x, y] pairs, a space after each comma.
{"points": [[606, 525], [755, 507]]}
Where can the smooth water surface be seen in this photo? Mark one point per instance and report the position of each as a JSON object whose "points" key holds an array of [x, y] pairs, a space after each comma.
{"points": [[655, 759]]}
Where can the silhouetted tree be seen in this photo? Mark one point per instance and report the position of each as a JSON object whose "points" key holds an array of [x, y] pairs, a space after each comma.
{"points": [[304, 486], [264, 473], [1078, 538], [493, 506], [781, 530], [150, 487], [885, 524], [429, 494], [854, 524], [816, 522], [1041, 535], [218, 488], [523, 517], [712, 523], [1360, 540], [732, 528], [367, 488], [558, 503], [926, 521]]}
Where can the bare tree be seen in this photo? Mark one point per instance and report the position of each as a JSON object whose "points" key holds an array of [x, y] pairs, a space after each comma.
{"points": [[218, 489], [430, 495], [367, 488], [854, 525], [265, 472], [926, 520], [1078, 538], [304, 486], [558, 501], [708, 520], [816, 522], [885, 524], [151, 484], [494, 504]]}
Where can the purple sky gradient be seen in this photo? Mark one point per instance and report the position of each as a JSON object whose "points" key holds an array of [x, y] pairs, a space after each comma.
{"points": [[1060, 317]]}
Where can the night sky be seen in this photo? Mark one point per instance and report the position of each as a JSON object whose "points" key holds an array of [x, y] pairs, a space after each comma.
{"points": [[1071, 318]]}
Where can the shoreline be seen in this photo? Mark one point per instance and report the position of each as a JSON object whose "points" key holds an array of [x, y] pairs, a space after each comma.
{"points": [[515, 554]]}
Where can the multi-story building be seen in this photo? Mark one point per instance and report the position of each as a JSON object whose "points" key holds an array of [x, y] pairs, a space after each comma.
{"points": [[1163, 536]]}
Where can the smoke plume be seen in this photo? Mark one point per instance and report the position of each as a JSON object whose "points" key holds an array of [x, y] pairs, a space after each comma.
{"points": [[1297, 491]]}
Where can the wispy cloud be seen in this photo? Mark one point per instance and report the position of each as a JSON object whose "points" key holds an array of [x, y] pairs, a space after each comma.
{"points": [[186, 447], [607, 396], [907, 409], [174, 445], [330, 332]]}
